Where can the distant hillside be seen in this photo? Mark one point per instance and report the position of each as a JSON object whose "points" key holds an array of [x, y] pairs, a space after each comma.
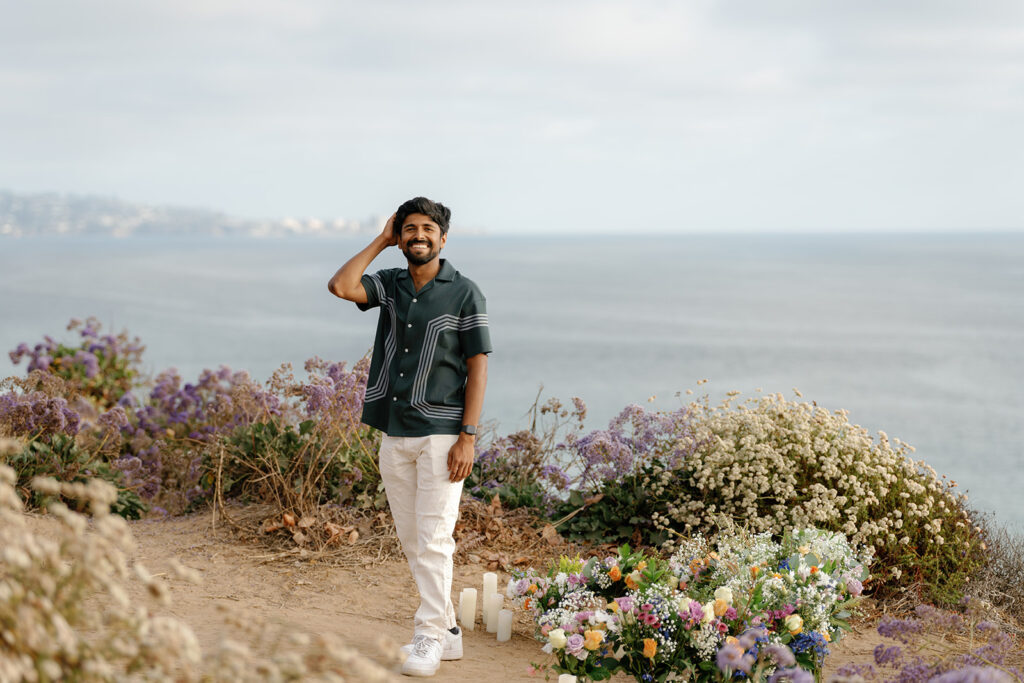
{"points": [[59, 214]]}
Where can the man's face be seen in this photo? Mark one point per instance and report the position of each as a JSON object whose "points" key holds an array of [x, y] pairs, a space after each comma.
{"points": [[420, 239]]}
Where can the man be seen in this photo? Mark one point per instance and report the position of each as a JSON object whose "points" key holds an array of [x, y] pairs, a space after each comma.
{"points": [[425, 391]]}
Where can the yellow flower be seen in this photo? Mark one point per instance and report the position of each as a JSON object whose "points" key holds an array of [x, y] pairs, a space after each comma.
{"points": [[650, 648], [827, 637], [642, 565], [613, 606], [592, 639], [721, 606], [804, 550], [795, 624], [732, 639]]}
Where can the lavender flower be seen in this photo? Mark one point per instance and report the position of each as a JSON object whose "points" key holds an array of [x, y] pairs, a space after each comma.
{"points": [[731, 657], [974, 674], [793, 675]]}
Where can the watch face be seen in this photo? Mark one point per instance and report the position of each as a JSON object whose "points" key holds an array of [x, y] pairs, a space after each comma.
{"points": [[469, 429]]}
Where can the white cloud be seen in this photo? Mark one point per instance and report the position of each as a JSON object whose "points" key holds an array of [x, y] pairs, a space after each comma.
{"points": [[781, 114]]}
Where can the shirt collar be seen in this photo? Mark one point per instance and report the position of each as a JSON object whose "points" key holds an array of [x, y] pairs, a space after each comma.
{"points": [[445, 274]]}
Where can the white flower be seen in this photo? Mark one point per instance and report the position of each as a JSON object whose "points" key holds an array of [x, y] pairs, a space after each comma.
{"points": [[557, 638], [709, 613], [724, 593]]}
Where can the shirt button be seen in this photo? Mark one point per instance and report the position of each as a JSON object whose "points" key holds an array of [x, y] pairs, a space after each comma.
{"points": [[394, 398], [401, 374], [407, 350], [414, 300], [409, 325]]}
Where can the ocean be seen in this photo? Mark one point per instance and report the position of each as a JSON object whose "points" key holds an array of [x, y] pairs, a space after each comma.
{"points": [[919, 335]]}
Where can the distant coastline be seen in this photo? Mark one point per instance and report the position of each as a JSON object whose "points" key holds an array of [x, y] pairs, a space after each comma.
{"points": [[46, 214]]}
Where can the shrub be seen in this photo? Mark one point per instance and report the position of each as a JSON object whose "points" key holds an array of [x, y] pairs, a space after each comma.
{"points": [[61, 458], [769, 464], [166, 437], [66, 614], [523, 468], [102, 368], [937, 645], [327, 457]]}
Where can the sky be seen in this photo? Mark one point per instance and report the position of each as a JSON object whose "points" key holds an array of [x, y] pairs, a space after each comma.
{"points": [[528, 116]]}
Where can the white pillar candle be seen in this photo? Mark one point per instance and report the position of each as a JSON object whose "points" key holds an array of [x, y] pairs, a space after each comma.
{"points": [[566, 678], [490, 583], [495, 602], [467, 608], [504, 625]]}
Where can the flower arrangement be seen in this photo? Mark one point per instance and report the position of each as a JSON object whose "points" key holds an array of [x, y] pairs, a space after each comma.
{"points": [[747, 604]]}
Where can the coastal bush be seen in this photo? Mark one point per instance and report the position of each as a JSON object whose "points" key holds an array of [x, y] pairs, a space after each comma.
{"points": [[66, 611], [167, 435], [769, 464], [325, 456], [523, 468], [102, 368], [50, 435], [938, 645]]}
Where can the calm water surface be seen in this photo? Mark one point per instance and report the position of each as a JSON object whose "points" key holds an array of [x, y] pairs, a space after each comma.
{"points": [[919, 336]]}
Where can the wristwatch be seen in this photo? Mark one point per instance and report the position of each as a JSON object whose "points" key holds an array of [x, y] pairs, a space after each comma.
{"points": [[469, 429]]}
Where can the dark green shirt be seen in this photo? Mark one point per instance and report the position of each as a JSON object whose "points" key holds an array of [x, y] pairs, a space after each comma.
{"points": [[417, 381]]}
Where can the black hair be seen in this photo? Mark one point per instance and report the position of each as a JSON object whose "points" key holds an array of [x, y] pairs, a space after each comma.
{"points": [[435, 211]]}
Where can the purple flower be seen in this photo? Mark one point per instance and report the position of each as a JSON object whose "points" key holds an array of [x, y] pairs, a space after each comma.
{"points": [[780, 654], [732, 658], [574, 644], [854, 586], [974, 674], [793, 675]]}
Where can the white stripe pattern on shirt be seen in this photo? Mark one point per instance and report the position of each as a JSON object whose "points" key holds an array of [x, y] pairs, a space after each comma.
{"points": [[435, 327], [379, 389]]}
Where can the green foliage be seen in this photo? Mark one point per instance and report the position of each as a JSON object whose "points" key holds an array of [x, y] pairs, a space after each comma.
{"points": [[61, 458], [619, 513], [294, 468]]}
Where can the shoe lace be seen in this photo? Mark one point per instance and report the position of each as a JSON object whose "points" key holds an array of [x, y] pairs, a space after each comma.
{"points": [[423, 645]]}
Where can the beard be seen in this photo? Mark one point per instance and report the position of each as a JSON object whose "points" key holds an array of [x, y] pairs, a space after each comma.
{"points": [[420, 258]]}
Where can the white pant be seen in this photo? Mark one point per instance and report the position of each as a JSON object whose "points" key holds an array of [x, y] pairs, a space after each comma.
{"points": [[425, 507]]}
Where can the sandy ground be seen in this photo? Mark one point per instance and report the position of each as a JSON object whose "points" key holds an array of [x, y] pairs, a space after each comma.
{"points": [[361, 603]]}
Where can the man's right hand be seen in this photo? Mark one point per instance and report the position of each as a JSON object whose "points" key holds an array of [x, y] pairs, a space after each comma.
{"points": [[389, 231], [347, 282]]}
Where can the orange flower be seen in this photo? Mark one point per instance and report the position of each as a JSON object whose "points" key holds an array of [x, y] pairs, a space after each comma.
{"points": [[631, 584], [615, 573], [827, 637], [814, 570], [650, 648], [532, 588], [721, 607], [754, 571], [682, 585], [526, 603], [592, 639], [776, 575]]}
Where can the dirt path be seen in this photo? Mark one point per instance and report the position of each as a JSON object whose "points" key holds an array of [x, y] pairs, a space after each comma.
{"points": [[363, 604]]}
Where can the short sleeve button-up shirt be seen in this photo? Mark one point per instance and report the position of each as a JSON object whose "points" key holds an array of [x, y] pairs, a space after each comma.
{"points": [[417, 380]]}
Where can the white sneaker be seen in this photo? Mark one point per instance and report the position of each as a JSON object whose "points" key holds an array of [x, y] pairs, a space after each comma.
{"points": [[451, 648], [425, 658]]}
